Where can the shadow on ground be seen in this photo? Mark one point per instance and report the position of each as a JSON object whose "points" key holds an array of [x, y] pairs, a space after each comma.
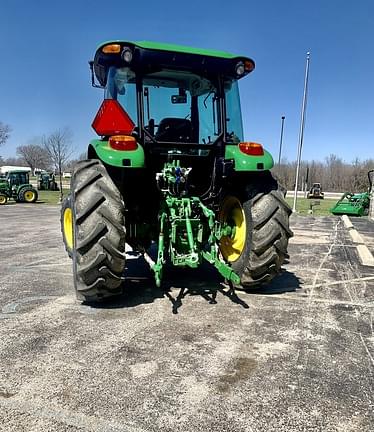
{"points": [[139, 286]]}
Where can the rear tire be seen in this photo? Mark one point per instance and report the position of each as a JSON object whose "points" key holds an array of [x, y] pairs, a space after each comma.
{"points": [[28, 195], [99, 232], [266, 215], [3, 199]]}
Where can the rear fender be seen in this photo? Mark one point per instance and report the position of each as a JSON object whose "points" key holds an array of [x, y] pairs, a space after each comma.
{"points": [[244, 162], [117, 158]]}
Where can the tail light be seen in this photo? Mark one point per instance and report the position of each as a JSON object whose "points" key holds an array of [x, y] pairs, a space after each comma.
{"points": [[112, 119], [123, 142], [251, 148]]}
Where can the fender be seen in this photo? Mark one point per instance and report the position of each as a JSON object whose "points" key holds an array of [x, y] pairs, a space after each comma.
{"points": [[244, 162], [118, 158]]}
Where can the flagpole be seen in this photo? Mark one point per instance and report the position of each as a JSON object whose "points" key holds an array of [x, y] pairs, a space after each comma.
{"points": [[302, 124]]}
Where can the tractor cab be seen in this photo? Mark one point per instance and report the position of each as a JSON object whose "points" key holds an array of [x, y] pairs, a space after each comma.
{"points": [[184, 96], [167, 99], [17, 178]]}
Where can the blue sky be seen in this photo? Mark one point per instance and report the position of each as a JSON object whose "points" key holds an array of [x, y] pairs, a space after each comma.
{"points": [[45, 81]]}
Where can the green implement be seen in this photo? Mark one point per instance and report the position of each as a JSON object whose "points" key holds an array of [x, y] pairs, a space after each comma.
{"points": [[354, 204]]}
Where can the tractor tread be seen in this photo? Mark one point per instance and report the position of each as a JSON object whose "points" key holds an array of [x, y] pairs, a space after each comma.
{"points": [[111, 249], [99, 259], [89, 181], [267, 215], [92, 238], [269, 239], [99, 256], [84, 165], [81, 217]]}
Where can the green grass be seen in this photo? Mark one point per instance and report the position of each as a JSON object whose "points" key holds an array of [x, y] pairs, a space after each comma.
{"points": [[50, 197], [303, 205]]}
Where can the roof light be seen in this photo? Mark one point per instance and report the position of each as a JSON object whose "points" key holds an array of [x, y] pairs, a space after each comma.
{"points": [[251, 148], [127, 54], [123, 142], [112, 119], [111, 49]]}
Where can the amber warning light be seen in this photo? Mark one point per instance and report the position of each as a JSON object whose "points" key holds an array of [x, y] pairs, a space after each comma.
{"points": [[112, 119], [251, 148], [123, 142]]}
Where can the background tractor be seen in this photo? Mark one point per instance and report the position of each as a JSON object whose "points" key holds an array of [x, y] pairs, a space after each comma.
{"points": [[46, 181], [16, 185], [316, 192], [171, 168]]}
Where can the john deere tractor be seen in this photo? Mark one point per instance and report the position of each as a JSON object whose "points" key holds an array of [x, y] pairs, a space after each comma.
{"points": [[16, 185], [46, 181], [171, 168]]}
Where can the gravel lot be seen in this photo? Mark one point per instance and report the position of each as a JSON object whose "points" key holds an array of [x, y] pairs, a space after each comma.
{"points": [[297, 356]]}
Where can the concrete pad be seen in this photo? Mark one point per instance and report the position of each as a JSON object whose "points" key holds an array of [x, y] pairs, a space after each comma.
{"points": [[193, 356], [355, 235], [365, 255], [347, 221]]}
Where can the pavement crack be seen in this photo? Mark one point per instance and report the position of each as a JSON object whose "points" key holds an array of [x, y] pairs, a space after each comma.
{"points": [[333, 243]]}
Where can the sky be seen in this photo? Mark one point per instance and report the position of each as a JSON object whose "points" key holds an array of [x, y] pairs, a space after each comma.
{"points": [[46, 45]]}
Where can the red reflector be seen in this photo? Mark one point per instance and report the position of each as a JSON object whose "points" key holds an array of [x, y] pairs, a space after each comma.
{"points": [[251, 148], [123, 142], [112, 119]]}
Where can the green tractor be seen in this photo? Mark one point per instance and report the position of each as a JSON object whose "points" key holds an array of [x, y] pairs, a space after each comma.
{"points": [[46, 181], [354, 204], [171, 169], [16, 185]]}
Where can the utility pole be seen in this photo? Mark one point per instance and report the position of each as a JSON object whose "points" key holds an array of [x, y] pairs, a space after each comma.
{"points": [[281, 141], [371, 195], [302, 124]]}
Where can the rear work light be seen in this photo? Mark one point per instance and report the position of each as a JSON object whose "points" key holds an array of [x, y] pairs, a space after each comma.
{"points": [[112, 119], [251, 148], [126, 54], [123, 142]]}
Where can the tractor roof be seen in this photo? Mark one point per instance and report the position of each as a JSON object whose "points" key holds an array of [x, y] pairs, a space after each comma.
{"points": [[150, 56], [19, 171]]}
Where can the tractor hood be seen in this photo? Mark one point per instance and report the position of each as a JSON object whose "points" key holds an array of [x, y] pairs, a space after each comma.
{"points": [[147, 57]]}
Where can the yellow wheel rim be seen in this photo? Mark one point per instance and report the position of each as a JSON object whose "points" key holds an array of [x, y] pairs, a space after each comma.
{"points": [[29, 196], [68, 227], [2, 199], [232, 214]]}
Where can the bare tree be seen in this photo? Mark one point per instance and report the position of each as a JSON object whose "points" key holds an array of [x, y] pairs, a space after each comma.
{"points": [[59, 148], [71, 164], [13, 161], [4, 132], [35, 156]]}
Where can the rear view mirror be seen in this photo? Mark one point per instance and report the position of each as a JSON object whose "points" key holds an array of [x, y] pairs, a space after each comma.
{"points": [[179, 99]]}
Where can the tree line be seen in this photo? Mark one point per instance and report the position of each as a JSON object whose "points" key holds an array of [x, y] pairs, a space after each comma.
{"points": [[51, 152], [54, 152], [334, 174]]}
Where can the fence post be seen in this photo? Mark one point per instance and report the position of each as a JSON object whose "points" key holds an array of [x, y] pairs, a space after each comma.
{"points": [[371, 206]]}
